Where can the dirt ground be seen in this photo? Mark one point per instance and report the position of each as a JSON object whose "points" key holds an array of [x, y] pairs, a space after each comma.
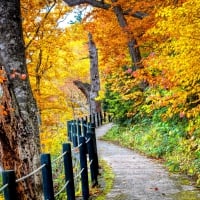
{"points": [[140, 178]]}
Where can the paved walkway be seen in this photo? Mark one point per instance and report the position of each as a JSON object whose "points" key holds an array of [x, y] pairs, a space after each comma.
{"points": [[140, 178]]}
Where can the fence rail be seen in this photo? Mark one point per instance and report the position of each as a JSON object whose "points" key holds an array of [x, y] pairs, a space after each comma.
{"points": [[81, 134]]}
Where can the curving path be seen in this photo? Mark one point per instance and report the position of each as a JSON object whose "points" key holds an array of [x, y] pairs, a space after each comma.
{"points": [[141, 178]]}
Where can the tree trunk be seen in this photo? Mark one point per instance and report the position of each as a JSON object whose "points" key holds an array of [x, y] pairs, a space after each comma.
{"points": [[91, 90], [95, 106], [132, 44], [19, 130]]}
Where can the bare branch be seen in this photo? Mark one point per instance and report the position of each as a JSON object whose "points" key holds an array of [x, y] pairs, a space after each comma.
{"points": [[98, 4], [38, 28], [101, 4], [84, 87], [137, 14]]}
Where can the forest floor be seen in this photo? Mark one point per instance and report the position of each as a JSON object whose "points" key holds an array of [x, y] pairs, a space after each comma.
{"points": [[140, 178]]}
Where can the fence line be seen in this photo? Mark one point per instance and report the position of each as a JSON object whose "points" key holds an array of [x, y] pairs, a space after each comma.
{"points": [[3, 187], [32, 173], [62, 189], [81, 134]]}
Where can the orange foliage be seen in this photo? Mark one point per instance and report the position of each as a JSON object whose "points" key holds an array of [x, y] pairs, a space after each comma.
{"points": [[174, 68], [51, 52]]}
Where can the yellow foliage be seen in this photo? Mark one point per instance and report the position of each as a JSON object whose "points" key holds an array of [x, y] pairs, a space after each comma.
{"points": [[176, 58], [55, 57]]}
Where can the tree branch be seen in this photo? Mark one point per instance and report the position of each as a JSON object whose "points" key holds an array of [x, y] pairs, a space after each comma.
{"points": [[84, 87], [137, 14], [101, 4], [40, 25], [98, 4]]}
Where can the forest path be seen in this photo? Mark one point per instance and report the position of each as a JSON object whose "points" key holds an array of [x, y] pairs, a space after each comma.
{"points": [[140, 178]]}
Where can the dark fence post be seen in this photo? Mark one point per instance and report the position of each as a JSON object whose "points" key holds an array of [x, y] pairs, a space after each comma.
{"points": [[101, 118], [69, 130], [98, 119], [104, 117], [10, 179], [47, 177], [86, 119], [90, 118], [69, 171], [83, 121], [92, 158], [74, 134], [84, 169], [92, 130], [93, 119], [84, 128], [78, 128]]}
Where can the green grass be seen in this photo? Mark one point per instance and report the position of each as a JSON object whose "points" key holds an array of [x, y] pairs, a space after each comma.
{"points": [[1, 194], [106, 180]]}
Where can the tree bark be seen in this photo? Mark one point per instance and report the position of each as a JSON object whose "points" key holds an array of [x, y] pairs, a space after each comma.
{"points": [[85, 88], [19, 130], [95, 106], [91, 90], [132, 43]]}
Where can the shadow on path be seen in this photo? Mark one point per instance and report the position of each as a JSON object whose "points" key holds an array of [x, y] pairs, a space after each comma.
{"points": [[141, 178]]}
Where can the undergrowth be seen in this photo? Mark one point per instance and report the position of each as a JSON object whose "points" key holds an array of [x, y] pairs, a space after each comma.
{"points": [[105, 182], [1, 184]]}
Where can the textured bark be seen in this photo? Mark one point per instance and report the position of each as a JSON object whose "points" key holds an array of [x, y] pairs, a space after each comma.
{"points": [[132, 44], [19, 131], [91, 90], [95, 106], [98, 4], [84, 87], [103, 5]]}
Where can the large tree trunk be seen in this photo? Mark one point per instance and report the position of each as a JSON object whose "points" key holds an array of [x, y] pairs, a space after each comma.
{"points": [[91, 90], [132, 43], [95, 106], [19, 131]]}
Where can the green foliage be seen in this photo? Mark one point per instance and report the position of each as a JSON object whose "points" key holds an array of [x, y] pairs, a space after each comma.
{"points": [[1, 194], [106, 181], [114, 104]]}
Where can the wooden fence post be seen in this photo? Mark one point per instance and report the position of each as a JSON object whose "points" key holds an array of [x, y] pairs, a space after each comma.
{"points": [[98, 119], [78, 129], [47, 177], [92, 130], [92, 158], [90, 118], [84, 128], [10, 179], [68, 167], [104, 117], [69, 130], [93, 119], [84, 169], [109, 118], [74, 134], [101, 118], [86, 118]]}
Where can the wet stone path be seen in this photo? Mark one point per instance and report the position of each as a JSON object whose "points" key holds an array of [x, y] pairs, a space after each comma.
{"points": [[140, 178]]}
